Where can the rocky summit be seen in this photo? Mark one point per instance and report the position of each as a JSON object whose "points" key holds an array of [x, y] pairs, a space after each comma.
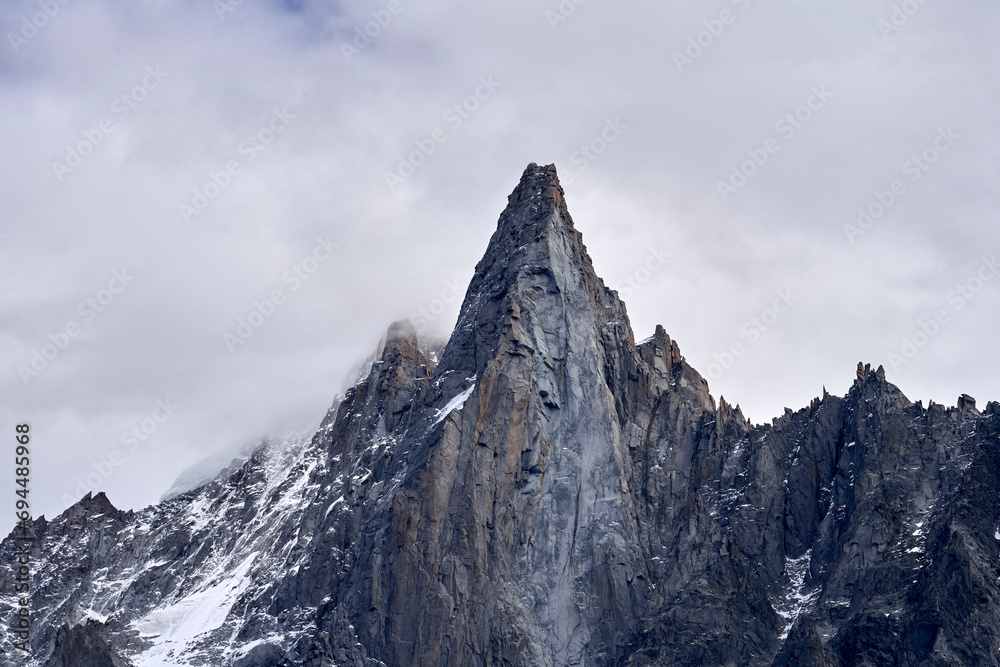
{"points": [[545, 491]]}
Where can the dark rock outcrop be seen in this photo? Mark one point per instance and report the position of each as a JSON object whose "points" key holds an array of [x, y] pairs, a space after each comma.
{"points": [[83, 646]]}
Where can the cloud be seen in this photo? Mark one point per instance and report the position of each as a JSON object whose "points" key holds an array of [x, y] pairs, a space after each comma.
{"points": [[204, 134]]}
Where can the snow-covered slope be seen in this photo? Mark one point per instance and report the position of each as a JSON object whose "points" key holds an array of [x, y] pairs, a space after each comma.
{"points": [[176, 578]]}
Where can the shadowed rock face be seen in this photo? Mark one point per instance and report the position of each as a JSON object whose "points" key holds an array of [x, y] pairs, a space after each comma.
{"points": [[545, 491], [83, 646]]}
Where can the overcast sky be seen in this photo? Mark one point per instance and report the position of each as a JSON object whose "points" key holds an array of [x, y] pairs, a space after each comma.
{"points": [[167, 164]]}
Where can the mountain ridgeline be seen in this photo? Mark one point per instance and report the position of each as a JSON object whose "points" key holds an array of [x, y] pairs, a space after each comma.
{"points": [[545, 491]]}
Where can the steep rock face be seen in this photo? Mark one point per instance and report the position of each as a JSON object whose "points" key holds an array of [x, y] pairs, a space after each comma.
{"points": [[83, 646], [545, 491], [515, 539]]}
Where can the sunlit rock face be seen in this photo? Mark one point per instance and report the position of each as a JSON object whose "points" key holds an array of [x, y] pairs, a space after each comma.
{"points": [[546, 491]]}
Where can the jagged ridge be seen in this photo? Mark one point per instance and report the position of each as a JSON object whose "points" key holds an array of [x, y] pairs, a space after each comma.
{"points": [[551, 493]]}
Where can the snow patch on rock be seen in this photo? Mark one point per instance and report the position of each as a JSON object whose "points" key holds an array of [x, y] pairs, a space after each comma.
{"points": [[454, 404], [173, 628], [795, 598]]}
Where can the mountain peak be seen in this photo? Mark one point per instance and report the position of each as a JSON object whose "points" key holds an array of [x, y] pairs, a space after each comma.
{"points": [[536, 206], [401, 338], [537, 185], [534, 255]]}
